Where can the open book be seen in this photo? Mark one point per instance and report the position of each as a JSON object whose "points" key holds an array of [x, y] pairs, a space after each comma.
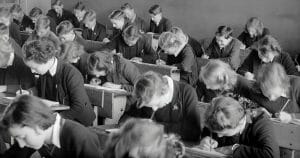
{"points": [[199, 153]]}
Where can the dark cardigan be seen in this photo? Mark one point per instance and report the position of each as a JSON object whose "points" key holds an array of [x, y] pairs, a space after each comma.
{"points": [[98, 34], [252, 63], [69, 90], [230, 54], [246, 39], [16, 75], [180, 116], [66, 15], [257, 139], [163, 26], [197, 47]]}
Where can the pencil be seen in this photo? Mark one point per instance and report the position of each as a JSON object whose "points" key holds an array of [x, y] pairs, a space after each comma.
{"points": [[286, 103]]}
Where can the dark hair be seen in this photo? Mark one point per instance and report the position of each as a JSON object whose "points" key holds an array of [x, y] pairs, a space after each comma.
{"points": [[40, 51], [100, 61], [71, 50], [79, 6], [64, 27], [27, 110], [35, 12], [267, 44], [57, 2], [117, 15], [4, 29], [225, 31], [155, 9], [224, 113], [131, 32], [126, 6]]}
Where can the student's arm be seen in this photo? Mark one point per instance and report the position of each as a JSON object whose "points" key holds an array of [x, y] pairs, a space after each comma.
{"points": [[188, 60], [168, 25], [242, 36], [102, 33], [289, 65], [150, 54], [247, 64], [200, 88], [14, 31], [234, 55], [131, 74]]}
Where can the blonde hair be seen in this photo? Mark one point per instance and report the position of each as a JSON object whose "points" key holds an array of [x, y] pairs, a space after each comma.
{"points": [[269, 44], [169, 40], [71, 50], [255, 23], [90, 15]]}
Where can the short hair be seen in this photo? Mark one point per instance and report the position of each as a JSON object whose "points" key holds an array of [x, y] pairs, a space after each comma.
{"points": [[168, 40], [4, 12], [15, 8], [131, 32], [43, 22], [116, 15], [219, 71], [28, 110], [267, 44], [35, 12], [225, 31], [80, 6], [255, 23], [141, 134], [147, 85], [178, 31], [272, 75], [155, 9], [71, 50], [4, 29], [90, 15], [224, 113], [64, 27], [57, 3], [40, 51], [99, 61], [126, 6]]}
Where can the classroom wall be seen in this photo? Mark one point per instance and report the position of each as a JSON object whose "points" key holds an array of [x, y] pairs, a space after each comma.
{"points": [[200, 18]]}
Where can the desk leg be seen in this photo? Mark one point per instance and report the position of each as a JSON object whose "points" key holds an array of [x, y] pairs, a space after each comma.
{"points": [[95, 123]]}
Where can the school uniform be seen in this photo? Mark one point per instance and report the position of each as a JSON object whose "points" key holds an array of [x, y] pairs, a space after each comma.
{"points": [[66, 15], [14, 32], [26, 22], [50, 35], [248, 41], [252, 63], [16, 47], [197, 47], [179, 116], [142, 49], [16, 74], [163, 26], [89, 46], [229, 54], [65, 84], [69, 139], [139, 23], [97, 34], [256, 140]]}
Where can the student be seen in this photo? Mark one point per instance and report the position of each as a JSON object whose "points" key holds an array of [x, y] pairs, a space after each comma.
{"points": [[158, 23], [275, 89], [133, 45], [254, 31], [168, 102], [181, 55], [4, 35], [65, 31], [234, 131], [119, 22], [197, 47], [225, 47], [133, 18], [42, 30], [93, 30], [35, 126], [79, 12], [36, 12], [5, 18], [14, 74], [21, 18], [59, 14], [268, 51], [143, 138], [58, 81]]}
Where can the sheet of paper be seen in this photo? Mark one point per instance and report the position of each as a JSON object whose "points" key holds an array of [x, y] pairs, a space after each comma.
{"points": [[104, 88], [196, 152]]}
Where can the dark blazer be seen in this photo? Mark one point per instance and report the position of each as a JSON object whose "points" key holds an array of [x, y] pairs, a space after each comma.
{"points": [[230, 54], [197, 47], [14, 32], [25, 23], [15, 75], [246, 39], [140, 23], [257, 139], [67, 88], [89, 46], [163, 26], [98, 34], [252, 63], [66, 15]]}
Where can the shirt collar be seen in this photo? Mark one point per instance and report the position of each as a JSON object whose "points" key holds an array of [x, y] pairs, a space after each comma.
{"points": [[53, 68], [56, 131], [169, 95], [11, 59]]}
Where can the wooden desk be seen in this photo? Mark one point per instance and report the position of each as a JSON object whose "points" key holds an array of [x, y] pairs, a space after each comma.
{"points": [[108, 103], [171, 71]]}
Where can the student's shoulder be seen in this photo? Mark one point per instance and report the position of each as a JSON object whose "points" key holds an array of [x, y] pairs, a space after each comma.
{"points": [[51, 13], [261, 121]]}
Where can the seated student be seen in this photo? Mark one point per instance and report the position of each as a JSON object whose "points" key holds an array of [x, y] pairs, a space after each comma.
{"points": [[143, 138], [14, 74], [4, 35], [35, 126], [21, 19], [197, 47], [278, 92], [14, 29], [36, 12], [268, 51], [133, 45], [119, 22], [133, 18], [93, 30], [42, 30], [65, 31], [254, 31], [171, 103], [79, 12], [58, 81], [180, 54], [230, 129], [158, 23], [59, 14], [225, 47]]}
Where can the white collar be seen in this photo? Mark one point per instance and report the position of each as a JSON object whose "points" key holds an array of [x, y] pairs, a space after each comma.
{"points": [[55, 138], [53, 68], [167, 98], [11, 59]]}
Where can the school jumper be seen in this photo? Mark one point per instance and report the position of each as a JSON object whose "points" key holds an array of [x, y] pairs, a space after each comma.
{"points": [[66, 15], [163, 26], [89, 45], [197, 47], [248, 41], [98, 34]]}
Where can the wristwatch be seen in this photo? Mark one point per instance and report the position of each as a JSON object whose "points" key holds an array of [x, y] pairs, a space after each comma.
{"points": [[234, 147]]}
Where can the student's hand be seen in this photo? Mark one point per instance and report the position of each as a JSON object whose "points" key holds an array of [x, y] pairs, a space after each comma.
{"points": [[284, 117], [204, 56], [249, 76], [265, 111], [207, 143], [112, 85], [160, 62], [106, 40], [136, 59], [298, 68], [95, 81], [227, 150], [23, 92]]}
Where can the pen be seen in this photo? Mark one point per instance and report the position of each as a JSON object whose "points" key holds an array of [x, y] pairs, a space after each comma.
{"points": [[286, 103]]}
